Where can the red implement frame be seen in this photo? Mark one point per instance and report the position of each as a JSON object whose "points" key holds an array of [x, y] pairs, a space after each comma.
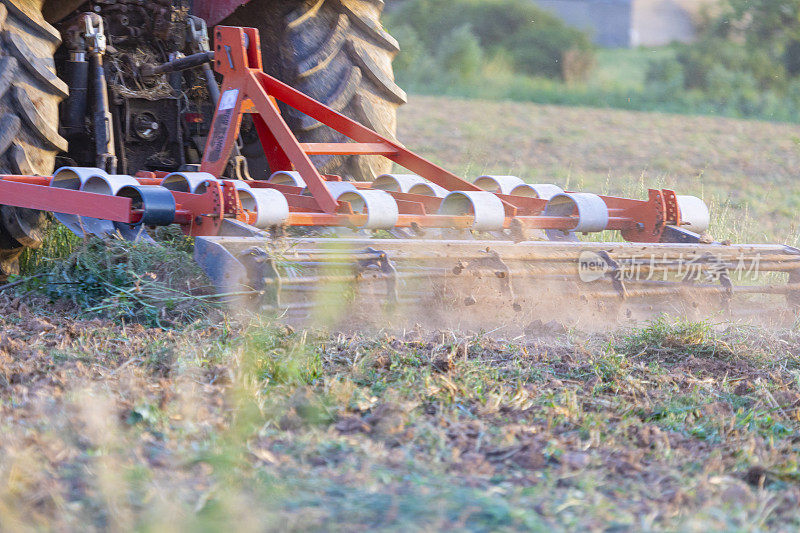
{"points": [[238, 60], [246, 89]]}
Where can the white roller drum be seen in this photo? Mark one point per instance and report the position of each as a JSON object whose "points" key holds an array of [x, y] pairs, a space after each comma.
{"points": [[379, 206], [694, 213], [590, 209], [73, 178], [408, 183], [240, 185], [108, 185], [192, 182], [335, 187], [397, 182], [545, 191], [429, 189], [287, 177], [499, 184], [486, 207], [269, 205]]}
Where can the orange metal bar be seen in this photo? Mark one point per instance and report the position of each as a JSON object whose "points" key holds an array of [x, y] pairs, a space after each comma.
{"points": [[304, 218], [238, 59], [352, 129], [285, 189], [43, 181], [207, 210], [411, 208], [431, 203], [347, 149], [43, 198], [298, 203], [525, 205], [148, 181], [288, 142]]}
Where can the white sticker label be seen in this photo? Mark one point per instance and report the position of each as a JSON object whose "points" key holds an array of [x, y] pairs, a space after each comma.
{"points": [[228, 100]]}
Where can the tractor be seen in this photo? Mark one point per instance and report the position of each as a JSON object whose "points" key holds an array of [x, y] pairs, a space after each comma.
{"points": [[75, 88]]}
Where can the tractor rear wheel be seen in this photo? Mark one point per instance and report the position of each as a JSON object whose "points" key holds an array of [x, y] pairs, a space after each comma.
{"points": [[30, 93], [336, 52]]}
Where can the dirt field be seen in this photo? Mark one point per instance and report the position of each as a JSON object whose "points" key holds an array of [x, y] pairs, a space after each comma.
{"points": [[665, 426]]}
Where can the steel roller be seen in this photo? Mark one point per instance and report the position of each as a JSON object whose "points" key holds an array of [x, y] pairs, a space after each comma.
{"points": [[108, 185], [240, 185], [545, 191], [379, 206], [192, 182], [694, 213], [498, 184], [269, 205], [429, 189], [589, 209], [73, 178], [335, 187], [287, 177], [157, 204], [485, 207], [408, 183]]}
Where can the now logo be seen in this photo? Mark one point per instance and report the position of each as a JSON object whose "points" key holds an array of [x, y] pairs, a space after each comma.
{"points": [[592, 266]]}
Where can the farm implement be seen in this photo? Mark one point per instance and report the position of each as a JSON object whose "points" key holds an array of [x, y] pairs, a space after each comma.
{"points": [[423, 241]]}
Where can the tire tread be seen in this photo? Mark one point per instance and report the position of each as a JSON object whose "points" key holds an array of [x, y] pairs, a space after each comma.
{"points": [[348, 68], [30, 92]]}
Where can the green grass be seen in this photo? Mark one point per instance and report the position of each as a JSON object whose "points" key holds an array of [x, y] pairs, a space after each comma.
{"points": [[617, 82], [157, 283], [663, 335], [59, 244], [624, 68]]}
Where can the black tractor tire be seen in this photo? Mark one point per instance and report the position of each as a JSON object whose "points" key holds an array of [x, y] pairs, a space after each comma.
{"points": [[337, 52], [30, 93]]}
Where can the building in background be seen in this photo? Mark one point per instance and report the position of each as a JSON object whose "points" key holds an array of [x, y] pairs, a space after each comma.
{"points": [[628, 23]]}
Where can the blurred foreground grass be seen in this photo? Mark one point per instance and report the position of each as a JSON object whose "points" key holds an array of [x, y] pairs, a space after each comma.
{"points": [[672, 426]]}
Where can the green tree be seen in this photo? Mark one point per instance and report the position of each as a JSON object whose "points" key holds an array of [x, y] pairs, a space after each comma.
{"points": [[771, 26], [534, 40], [461, 53]]}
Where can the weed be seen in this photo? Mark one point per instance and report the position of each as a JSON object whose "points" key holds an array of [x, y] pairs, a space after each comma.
{"points": [[279, 357], [664, 335], [135, 282], [58, 245]]}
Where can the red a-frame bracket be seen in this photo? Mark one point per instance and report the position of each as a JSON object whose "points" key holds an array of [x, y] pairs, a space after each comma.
{"points": [[246, 88]]}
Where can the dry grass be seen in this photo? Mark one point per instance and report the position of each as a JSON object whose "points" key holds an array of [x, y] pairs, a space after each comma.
{"points": [[746, 170]]}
